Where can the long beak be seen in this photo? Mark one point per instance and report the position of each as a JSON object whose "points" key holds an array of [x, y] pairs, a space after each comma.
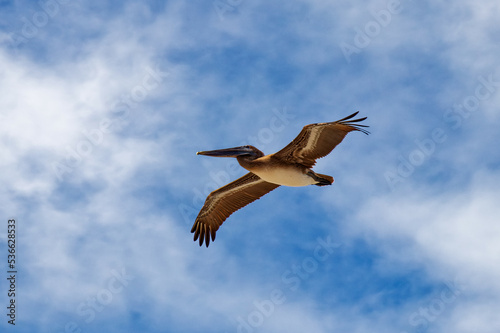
{"points": [[228, 152]]}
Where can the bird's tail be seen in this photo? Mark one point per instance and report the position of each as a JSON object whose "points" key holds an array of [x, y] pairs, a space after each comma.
{"points": [[324, 179]]}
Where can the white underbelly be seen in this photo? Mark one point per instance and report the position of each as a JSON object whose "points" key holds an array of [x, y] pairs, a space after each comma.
{"points": [[286, 177]]}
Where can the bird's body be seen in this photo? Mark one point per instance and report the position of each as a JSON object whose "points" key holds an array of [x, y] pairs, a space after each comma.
{"points": [[291, 166], [285, 175], [277, 171]]}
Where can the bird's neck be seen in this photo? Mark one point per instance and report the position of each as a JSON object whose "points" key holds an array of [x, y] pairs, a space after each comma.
{"points": [[247, 162]]}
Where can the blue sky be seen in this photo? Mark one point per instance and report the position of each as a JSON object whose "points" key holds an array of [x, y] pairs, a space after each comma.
{"points": [[104, 106]]}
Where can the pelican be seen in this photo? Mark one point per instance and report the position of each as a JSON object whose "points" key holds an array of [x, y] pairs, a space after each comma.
{"points": [[291, 166]]}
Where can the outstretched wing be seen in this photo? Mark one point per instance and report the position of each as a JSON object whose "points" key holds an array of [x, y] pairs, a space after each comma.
{"points": [[226, 200], [318, 140]]}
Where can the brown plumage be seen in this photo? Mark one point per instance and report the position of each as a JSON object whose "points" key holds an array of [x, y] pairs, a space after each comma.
{"points": [[318, 140], [223, 202], [291, 166]]}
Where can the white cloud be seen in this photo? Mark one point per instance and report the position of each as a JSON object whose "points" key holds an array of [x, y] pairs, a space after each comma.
{"points": [[451, 233]]}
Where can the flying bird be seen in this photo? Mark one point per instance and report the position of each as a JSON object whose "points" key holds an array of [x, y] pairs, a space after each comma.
{"points": [[291, 166]]}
